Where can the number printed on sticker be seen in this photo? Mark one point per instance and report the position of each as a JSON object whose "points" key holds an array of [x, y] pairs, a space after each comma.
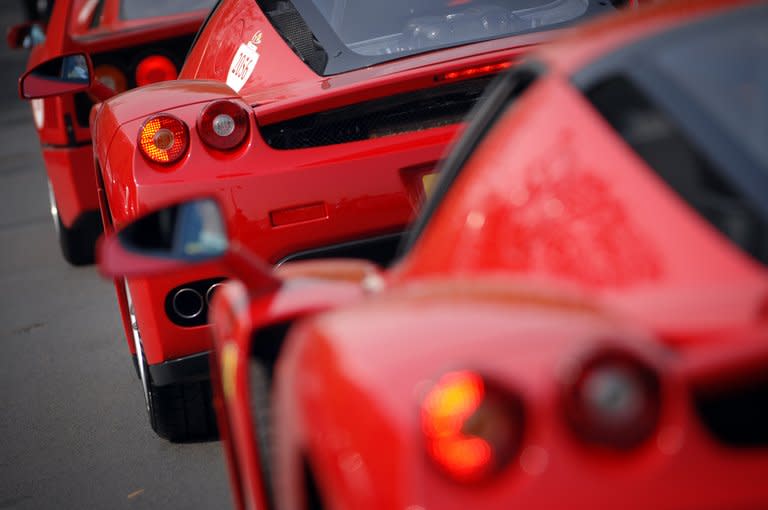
{"points": [[242, 66]]}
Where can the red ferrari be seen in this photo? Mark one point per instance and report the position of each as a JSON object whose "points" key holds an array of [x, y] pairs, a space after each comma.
{"points": [[132, 43], [581, 313], [317, 125]]}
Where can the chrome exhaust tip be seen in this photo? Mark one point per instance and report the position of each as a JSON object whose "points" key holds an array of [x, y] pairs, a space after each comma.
{"points": [[211, 291], [187, 303]]}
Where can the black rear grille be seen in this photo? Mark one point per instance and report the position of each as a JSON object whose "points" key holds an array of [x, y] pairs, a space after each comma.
{"points": [[381, 250], [299, 37], [738, 417], [402, 113]]}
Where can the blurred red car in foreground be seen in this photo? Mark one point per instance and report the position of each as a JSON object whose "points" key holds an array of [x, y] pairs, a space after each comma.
{"points": [[131, 42], [317, 125], [581, 314]]}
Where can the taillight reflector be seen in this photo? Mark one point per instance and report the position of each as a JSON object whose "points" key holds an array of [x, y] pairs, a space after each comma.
{"points": [[613, 399], [163, 138], [223, 124], [155, 68]]}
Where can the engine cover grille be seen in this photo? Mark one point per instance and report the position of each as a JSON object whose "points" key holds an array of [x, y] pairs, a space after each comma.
{"points": [[402, 113]]}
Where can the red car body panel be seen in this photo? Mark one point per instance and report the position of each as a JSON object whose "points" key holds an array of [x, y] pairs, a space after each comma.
{"points": [[64, 149], [377, 458], [555, 190], [524, 269], [278, 202]]}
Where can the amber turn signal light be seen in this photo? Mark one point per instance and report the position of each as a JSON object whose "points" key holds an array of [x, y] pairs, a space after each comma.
{"points": [[472, 428], [163, 139]]}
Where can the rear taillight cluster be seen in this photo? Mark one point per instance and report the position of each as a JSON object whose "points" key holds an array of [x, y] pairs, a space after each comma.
{"points": [[112, 77], [164, 139], [612, 399], [222, 125], [474, 428], [151, 69], [154, 69]]}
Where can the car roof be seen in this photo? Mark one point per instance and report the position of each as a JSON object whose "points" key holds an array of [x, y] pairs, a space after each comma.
{"points": [[585, 45]]}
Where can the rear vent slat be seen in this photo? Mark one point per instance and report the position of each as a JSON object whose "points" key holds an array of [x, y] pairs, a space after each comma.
{"points": [[738, 417], [403, 113]]}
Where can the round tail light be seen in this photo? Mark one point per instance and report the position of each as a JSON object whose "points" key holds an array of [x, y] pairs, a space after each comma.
{"points": [[223, 124], [472, 429], [112, 77], [155, 68], [613, 400], [163, 139]]}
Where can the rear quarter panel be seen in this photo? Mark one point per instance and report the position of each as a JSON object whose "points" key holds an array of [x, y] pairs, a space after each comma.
{"points": [[350, 383]]}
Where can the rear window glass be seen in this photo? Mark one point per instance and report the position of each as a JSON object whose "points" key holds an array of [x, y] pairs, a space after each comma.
{"points": [[665, 148], [355, 34], [138, 9], [396, 26], [725, 71]]}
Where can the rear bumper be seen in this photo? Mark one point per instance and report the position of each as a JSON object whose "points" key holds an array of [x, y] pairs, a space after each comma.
{"points": [[278, 203], [181, 370]]}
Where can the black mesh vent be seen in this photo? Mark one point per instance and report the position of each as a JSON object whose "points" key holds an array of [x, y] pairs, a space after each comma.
{"points": [[297, 34], [739, 417], [402, 113]]}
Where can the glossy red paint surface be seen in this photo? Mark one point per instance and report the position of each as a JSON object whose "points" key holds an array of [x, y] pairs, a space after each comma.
{"points": [[65, 167], [356, 359], [237, 316], [69, 30], [277, 202], [542, 254]]}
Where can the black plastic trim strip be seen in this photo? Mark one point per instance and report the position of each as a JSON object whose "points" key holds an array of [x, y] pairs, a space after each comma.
{"points": [[181, 370], [75, 145], [339, 250]]}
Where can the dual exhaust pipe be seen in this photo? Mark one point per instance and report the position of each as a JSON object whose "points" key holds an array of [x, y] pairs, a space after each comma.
{"points": [[188, 305]]}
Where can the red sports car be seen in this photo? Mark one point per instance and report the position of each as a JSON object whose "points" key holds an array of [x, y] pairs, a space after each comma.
{"points": [[131, 42], [581, 314], [317, 124]]}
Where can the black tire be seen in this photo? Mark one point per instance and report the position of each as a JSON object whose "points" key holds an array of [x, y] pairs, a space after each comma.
{"points": [[260, 386], [180, 412], [183, 412], [78, 243]]}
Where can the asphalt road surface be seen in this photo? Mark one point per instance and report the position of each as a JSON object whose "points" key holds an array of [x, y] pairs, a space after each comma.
{"points": [[73, 430]]}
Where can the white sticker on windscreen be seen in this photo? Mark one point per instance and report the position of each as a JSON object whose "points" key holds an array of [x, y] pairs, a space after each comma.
{"points": [[242, 65]]}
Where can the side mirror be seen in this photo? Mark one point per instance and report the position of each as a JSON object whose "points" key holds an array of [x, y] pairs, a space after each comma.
{"points": [[165, 240], [25, 35], [61, 75]]}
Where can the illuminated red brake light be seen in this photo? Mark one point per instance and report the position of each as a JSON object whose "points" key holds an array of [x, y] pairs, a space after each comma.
{"points": [[473, 72], [613, 399], [223, 124], [163, 139], [472, 430], [155, 68]]}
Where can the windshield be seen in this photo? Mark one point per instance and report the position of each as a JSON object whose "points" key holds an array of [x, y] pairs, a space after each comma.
{"points": [[138, 9], [355, 34]]}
